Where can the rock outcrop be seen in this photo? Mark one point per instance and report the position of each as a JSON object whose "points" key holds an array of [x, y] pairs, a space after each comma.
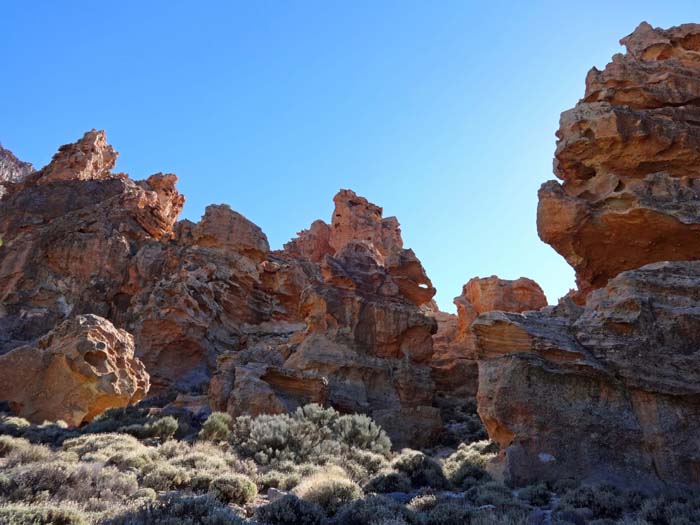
{"points": [[11, 169], [335, 317], [76, 371], [604, 386], [629, 158], [454, 365], [609, 391]]}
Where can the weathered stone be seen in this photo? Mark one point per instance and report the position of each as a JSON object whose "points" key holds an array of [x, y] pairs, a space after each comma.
{"points": [[629, 158], [76, 371], [608, 391]]}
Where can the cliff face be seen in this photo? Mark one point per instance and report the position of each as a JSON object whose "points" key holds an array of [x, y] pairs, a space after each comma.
{"points": [[608, 388], [334, 317]]}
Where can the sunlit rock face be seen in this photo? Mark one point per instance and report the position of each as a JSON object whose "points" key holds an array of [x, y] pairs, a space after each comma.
{"points": [[11, 169], [604, 386], [76, 371], [628, 156], [335, 317]]}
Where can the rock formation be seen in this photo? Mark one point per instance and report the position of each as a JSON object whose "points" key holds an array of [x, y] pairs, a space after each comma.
{"points": [[334, 317], [604, 386], [629, 158], [11, 169], [454, 365], [73, 373], [608, 391]]}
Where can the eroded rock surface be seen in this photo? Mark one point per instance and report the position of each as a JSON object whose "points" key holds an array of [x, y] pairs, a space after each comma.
{"points": [[454, 365], [73, 373], [628, 156], [605, 391], [335, 317]]}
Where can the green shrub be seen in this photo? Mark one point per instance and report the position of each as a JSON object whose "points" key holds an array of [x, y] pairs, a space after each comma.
{"points": [[328, 490], [40, 515], [422, 470], [389, 481], [491, 493], [177, 509], [163, 428], [290, 510], [466, 467], [217, 427], [605, 501], [162, 476], [449, 513], [358, 431], [233, 488], [24, 453], [305, 435], [375, 509], [537, 495]]}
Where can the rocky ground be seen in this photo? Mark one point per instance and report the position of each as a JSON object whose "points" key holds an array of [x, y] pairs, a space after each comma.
{"points": [[156, 370]]}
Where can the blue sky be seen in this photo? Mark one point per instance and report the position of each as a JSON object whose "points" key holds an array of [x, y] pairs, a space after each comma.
{"points": [[442, 112]]}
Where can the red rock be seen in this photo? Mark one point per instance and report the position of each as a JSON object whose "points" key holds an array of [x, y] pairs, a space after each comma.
{"points": [[628, 156], [75, 372]]}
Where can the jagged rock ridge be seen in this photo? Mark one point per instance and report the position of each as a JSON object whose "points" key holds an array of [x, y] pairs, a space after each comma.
{"points": [[334, 317]]}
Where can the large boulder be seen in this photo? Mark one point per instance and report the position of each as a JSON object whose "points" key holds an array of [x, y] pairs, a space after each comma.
{"points": [[78, 370], [608, 391], [628, 156]]}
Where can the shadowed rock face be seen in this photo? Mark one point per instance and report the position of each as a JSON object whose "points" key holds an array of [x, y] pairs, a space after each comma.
{"points": [[78, 370], [454, 365], [629, 158], [605, 385], [609, 391], [333, 318]]}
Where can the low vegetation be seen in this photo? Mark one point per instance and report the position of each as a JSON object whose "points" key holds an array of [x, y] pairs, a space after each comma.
{"points": [[310, 467]]}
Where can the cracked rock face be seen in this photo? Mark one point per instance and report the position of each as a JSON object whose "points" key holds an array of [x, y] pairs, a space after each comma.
{"points": [[628, 156]]}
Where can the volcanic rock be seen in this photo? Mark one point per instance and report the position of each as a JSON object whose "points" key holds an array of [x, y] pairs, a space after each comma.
{"points": [[629, 158], [75, 372], [605, 391], [454, 366]]}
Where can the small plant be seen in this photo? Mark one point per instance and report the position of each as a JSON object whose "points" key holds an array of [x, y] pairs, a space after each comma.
{"points": [[604, 501], [376, 509], [537, 495], [19, 514], [176, 509], [233, 488], [290, 510], [389, 481], [422, 470], [217, 427], [328, 490], [162, 476]]}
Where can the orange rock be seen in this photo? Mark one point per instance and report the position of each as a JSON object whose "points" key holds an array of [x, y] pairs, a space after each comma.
{"points": [[629, 158], [75, 372]]}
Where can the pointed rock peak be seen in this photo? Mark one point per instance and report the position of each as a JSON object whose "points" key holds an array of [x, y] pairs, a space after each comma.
{"points": [[11, 168], [649, 43], [89, 158], [357, 219]]}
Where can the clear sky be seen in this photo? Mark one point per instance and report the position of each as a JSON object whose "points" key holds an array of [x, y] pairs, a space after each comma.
{"points": [[443, 112]]}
